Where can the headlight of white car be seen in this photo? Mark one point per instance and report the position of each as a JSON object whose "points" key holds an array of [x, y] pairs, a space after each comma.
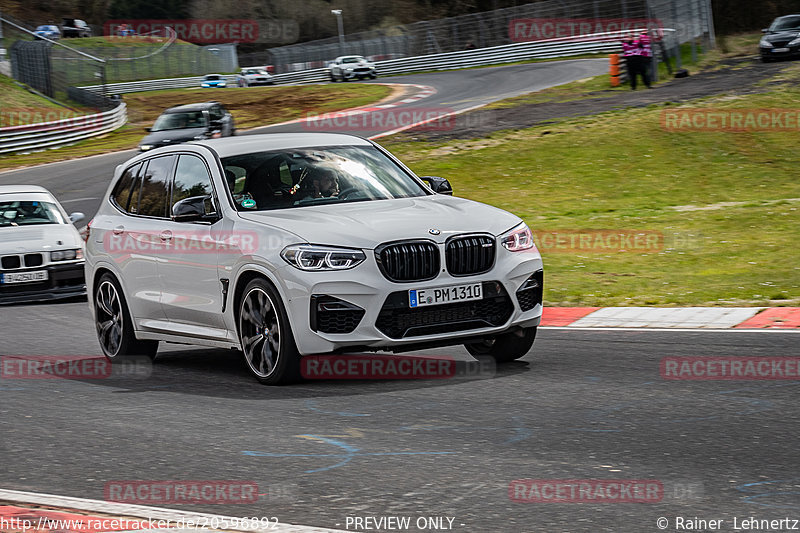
{"points": [[518, 239], [66, 255], [765, 44], [145, 147], [314, 257]]}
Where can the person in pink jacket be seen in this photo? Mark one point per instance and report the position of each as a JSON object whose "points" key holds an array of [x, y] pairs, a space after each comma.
{"points": [[645, 58]]}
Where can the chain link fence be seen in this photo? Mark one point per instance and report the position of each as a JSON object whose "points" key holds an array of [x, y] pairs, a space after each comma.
{"points": [[537, 21], [127, 63], [52, 68]]}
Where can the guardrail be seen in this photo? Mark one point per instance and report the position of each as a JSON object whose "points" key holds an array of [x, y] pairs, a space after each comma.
{"points": [[155, 85], [58, 133], [586, 44]]}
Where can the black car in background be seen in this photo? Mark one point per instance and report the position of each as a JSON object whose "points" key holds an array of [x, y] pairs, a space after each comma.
{"points": [[75, 28], [781, 39], [189, 122]]}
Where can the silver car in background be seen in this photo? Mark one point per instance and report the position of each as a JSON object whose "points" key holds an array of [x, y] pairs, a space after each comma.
{"points": [[286, 245], [346, 68]]}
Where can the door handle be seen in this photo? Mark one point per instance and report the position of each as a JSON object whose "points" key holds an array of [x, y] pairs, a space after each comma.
{"points": [[118, 230], [166, 235]]}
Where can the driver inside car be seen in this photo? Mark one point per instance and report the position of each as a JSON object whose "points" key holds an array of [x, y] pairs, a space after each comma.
{"points": [[322, 183]]}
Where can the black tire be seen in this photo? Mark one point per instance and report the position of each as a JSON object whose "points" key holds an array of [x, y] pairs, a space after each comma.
{"points": [[373, 76], [114, 325], [267, 343], [333, 78], [506, 347]]}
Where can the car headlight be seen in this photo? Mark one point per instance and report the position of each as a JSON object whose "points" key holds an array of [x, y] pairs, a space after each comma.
{"points": [[145, 147], [200, 137], [66, 255], [794, 42], [313, 257], [765, 44], [518, 239]]}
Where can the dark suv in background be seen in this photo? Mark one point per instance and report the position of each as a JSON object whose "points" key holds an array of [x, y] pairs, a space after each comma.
{"points": [[781, 39], [189, 122], [75, 28]]}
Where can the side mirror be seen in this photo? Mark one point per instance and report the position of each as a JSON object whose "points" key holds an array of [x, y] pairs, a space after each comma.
{"points": [[76, 217], [438, 185], [194, 209]]}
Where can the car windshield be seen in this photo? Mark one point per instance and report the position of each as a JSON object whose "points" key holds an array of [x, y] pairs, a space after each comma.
{"points": [[46, 28], [352, 59], [212, 78], [180, 121], [786, 23], [29, 213], [313, 176]]}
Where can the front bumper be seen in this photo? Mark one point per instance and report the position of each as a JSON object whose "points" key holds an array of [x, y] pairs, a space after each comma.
{"points": [[359, 73], [373, 312], [63, 281], [784, 53]]}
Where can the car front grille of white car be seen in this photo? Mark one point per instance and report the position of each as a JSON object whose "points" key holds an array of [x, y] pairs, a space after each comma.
{"points": [[397, 320], [11, 262]]}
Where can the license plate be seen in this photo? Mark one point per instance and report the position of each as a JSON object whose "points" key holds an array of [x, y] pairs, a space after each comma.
{"points": [[444, 295], [23, 277], [779, 50]]}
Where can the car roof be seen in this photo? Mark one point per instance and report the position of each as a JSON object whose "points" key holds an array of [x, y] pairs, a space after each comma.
{"points": [[246, 144], [16, 189], [199, 106]]}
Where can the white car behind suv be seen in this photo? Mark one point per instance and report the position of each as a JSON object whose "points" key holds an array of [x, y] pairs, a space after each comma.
{"points": [[286, 245], [41, 252]]}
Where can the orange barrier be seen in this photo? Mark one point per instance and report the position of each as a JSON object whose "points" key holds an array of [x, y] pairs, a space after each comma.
{"points": [[614, 70]]}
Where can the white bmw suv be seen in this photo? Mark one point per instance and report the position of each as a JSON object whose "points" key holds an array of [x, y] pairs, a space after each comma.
{"points": [[286, 245]]}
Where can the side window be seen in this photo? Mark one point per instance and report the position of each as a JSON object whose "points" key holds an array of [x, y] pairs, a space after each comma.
{"points": [[154, 192], [216, 113], [286, 174], [235, 176], [191, 179], [121, 195]]}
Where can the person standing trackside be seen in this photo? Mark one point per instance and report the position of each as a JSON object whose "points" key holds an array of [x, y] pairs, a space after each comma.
{"points": [[630, 52], [645, 57]]}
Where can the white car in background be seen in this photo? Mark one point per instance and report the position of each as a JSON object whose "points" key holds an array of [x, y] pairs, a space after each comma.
{"points": [[41, 252], [252, 77], [351, 67], [286, 245]]}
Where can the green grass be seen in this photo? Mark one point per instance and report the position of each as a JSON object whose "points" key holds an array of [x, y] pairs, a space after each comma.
{"points": [[14, 98], [250, 106], [622, 171]]}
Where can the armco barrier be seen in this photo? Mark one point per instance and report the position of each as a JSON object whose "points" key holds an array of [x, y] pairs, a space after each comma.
{"points": [[507, 53], [28, 137], [155, 85]]}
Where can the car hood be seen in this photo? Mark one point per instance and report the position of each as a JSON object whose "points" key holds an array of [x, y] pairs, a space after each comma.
{"points": [[172, 136], [368, 224], [38, 238], [781, 36]]}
